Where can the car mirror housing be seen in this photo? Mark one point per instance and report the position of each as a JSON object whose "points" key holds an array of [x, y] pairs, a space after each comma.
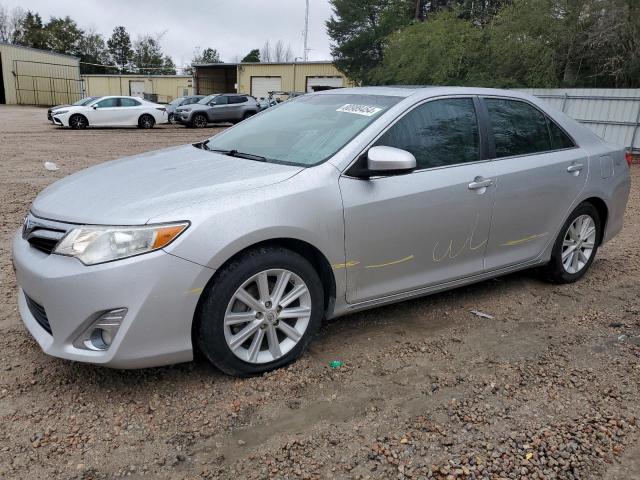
{"points": [[382, 159]]}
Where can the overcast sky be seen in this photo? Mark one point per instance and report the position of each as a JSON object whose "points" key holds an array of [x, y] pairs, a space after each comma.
{"points": [[233, 27]]}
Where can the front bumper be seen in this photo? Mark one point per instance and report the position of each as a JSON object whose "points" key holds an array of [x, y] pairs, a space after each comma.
{"points": [[160, 290]]}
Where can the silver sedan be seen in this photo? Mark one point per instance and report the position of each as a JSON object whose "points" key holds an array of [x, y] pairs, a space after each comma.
{"points": [[331, 203]]}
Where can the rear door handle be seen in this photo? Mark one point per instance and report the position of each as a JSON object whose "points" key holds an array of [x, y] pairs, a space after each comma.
{"points": [[576, 167], [477, 184]]}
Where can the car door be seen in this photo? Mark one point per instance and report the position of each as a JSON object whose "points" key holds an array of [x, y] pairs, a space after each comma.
{"points": [[130, 111], [219, 110], [427, 227], [105, 112], [539, 174]]}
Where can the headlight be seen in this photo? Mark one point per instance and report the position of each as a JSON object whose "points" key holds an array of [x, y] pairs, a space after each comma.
{"points": [[99, 244], [59, 112]]}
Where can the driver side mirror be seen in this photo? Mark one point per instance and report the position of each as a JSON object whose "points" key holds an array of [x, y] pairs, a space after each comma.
{"points": [[95, 107], [384, 160]]}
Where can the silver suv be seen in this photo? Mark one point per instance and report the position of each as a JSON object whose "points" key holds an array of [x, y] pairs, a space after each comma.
{"points": [[219, 108]]}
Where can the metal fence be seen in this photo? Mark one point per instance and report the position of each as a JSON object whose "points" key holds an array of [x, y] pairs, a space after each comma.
{"points": [[613, 114]]}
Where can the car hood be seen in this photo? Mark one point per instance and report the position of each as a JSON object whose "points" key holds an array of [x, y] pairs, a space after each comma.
{"points": [[132, 190]]}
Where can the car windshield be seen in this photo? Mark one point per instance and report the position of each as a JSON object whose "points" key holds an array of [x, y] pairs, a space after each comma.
{"points": [[304, 131], [176, 101], [84, 101], [207, 99]]}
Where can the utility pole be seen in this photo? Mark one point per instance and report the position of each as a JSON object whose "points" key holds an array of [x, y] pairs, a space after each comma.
{"points": [[305, 55]]}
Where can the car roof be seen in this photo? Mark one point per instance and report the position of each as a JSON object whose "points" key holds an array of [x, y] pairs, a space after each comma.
{"points": [[423, 91]]}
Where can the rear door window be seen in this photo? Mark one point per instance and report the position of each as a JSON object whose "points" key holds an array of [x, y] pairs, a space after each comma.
{"points": [[438, 133], [518, 128], [128, 102]]}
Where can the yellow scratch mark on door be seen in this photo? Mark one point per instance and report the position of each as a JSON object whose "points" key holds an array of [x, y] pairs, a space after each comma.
{"points": [[349, 264], [520, 241], [395, 262]]}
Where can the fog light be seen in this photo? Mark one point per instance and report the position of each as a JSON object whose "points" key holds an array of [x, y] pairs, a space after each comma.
{"points": [[100, 334]]}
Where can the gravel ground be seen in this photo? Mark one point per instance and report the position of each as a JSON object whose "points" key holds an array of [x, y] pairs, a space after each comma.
{"points": [[547, 389]]}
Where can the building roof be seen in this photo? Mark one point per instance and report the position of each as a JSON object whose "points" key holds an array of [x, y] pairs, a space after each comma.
{"points": [[135, 75], [49, 52], [222, 64]]}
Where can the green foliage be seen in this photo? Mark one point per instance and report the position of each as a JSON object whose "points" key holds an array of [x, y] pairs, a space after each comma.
{"points": [[148, 58], [359, 31], [443, 51], [120, 50], [93, 53], [252, 56], [63, 35], [32, 32], [508, 43]]}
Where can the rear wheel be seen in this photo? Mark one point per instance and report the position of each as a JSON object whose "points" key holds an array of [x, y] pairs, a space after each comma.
{"points": [[576, 246], [260, 313], [247, 115], [146, 121], [199, 121], [78, 122]]}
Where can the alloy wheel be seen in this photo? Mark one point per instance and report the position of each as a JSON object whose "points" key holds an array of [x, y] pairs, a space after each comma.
{"points": [[77, 121], [199, 121], [146, 121], [578, 244], [267, 316]]}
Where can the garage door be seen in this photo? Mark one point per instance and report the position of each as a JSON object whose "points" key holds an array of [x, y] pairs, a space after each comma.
{"points": [[315, 84], [136, 89], [261, 86]]}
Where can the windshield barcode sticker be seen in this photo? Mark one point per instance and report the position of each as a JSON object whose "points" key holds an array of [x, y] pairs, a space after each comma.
{"points": [[366, 110]]}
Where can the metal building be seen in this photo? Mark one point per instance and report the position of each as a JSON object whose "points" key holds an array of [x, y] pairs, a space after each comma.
{"points": [[611, 113], [157, 88], [38, 77], [258, 79]]}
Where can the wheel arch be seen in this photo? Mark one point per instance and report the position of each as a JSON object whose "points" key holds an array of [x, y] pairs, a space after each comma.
{"points": [[313, 254], [77, 114], [603, 212]]}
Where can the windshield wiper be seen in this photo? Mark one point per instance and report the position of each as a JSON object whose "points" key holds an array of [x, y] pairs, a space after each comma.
{"points": [[230, 153]]}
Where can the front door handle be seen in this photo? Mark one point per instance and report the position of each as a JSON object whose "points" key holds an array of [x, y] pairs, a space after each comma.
{"points": [[575, 168], [479, 183]]}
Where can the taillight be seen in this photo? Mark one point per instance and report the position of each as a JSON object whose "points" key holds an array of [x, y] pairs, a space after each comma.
{"points": [[162, 109], [629, 158]]}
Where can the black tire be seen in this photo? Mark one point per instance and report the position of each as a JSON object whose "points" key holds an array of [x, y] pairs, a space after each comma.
{"points": [[199, 120], [78, 122], [247, 115], [555, 271], [208, 330], [146, 121], [172, 119]]}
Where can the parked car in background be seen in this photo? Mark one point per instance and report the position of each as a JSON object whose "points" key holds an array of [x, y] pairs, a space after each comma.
{"points": [[79, 103], [113, 111], [328, 204], [265, 103], [179, 102], [217, 108]]}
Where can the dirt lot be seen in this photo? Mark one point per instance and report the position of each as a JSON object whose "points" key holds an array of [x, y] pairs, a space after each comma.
{"points": [[547, 389]]}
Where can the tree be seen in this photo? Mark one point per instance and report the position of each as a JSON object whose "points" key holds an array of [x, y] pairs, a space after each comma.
{"points": [[276, 53], [93, 53], [445, 50], [63, 35], [359, 31], [120, 50], [11, 24], [147, 55], [252, 56], [31, 31]]}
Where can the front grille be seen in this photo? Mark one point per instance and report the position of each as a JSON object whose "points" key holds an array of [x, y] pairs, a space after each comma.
{"points": [[43, 234], [38, 313]]}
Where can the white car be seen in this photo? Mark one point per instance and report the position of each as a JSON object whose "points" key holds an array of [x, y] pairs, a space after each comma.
{"points": [[111, 112]]}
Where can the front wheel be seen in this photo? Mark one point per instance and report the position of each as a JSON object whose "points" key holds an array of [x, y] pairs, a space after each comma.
{"points": [[78, 122], [199, 121], [576, 245], [260, 312]]}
